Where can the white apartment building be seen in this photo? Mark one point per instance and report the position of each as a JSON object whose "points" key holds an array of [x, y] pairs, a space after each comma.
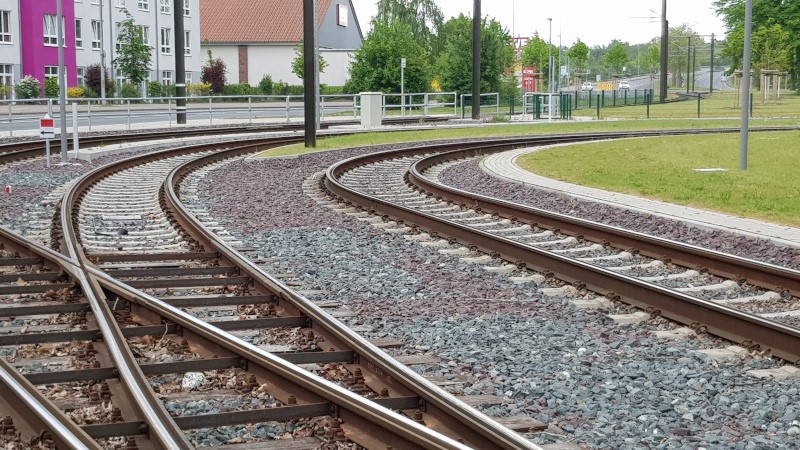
{"points": [[157, 22]]}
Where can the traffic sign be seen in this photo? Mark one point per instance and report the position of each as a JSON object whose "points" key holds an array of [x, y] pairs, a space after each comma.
{"points": [[47, 128]]}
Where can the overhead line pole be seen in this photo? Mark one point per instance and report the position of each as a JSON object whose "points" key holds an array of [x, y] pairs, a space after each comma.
{"points": [[745, 104], [62, 81], [711, 75], [476, 60], [309, 74], [180, 62], [664, 51]]}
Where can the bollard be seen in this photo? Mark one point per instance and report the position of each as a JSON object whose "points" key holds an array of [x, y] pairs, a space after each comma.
{"points": [[8, 189]]}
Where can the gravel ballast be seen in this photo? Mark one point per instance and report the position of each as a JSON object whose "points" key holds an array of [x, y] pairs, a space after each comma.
{"points": [[593, 382]]}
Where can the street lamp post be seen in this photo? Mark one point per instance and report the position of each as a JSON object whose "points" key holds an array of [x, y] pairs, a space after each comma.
{"points": [[664, 51], [550, 57]]}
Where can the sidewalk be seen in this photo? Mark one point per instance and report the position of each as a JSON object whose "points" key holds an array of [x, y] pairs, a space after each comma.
{"points": [[503, 165]]}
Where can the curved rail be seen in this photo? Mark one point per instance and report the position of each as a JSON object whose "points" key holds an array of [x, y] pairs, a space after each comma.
{"points": [[718, 319]]}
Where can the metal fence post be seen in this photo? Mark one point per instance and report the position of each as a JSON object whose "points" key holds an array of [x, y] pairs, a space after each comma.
{"points": [[10, 122], [698, 106], [75, 138], [89, 110], [288, 109], [497, 104], [210, 112], [355, 107], [598, 105], [321, 107], [462, 106], [169, 111], [250, 109], [129, 115], [425, 109]]}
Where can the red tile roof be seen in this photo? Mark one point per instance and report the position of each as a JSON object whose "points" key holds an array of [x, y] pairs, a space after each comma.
{"points": [[254, 20]]}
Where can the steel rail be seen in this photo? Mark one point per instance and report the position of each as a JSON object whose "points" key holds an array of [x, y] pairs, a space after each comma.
{"points": [[388, 427], [32, 410], [768, 276], [478, 429], [725, 322]]}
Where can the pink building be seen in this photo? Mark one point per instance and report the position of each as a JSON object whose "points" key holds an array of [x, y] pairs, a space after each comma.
{"points": [[39, 39]]}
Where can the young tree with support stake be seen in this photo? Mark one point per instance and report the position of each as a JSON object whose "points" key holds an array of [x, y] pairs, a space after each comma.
{"points": [[133, 55]]}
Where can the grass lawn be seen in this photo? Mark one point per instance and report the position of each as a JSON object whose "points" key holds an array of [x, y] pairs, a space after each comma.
{"points": [[663, 168]]}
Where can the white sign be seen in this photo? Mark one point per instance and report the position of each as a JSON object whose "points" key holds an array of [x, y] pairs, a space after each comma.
{"points": [[341, 15], [403, 63], [47, 128]]}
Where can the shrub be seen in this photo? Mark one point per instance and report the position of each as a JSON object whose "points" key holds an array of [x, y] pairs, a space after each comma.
{"points": [[282, 88], [28, 87], [331, 90], [91, 78], [88, 93], [51, 87], [213, 73], [198, 89], [129, 90], [168, 90], [240, 89], [154, 89], [75, 92], [265, 85], [5, 91]]}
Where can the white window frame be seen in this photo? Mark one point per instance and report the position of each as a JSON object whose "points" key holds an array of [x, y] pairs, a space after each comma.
{"points": [[78, 33], [81, 75], [5, 27], [50, 30], [50, 69], [165, 7], [187, 77], [144, 5], [6, 75], [187, 10], [166, 78], [145, 34], [120, 3], [97, 38], [187, 42], [166, 41]]}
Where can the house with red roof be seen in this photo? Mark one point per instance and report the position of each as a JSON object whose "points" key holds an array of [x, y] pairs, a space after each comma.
{"points": [[257, 38]]}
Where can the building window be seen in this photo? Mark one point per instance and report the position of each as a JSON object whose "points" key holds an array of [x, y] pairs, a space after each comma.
{"points": [[117, 45], [96, 36], [187, 43], [166, 77], [188, 78], [186, 10], [144, 5], [120, 3], [166, 47], [78, 33], [145, 34], [165, 7], [50, 30], [6, 75], [50, 72], [81, 76], [5, 26]]}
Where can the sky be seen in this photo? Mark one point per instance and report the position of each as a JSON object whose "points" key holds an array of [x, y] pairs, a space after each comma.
{"points": [[593, 22]]}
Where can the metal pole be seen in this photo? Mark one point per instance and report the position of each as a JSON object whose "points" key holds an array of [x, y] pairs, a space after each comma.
{"points": [[402, 86], [62, 82], [102, 57], [309, 75], [694, 69], [688, 62], [75, 141], [180, 62], [711, 75], [476, 60], [748, 25], [664, 52], [550, 57]]}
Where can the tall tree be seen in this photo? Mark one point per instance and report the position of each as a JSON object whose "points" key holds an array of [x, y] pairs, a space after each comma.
{"points": [[454, 64], [579, 55], [376, 65], [766, 14], [535, 54], [616, 58], [133, 55], [423, 18]]}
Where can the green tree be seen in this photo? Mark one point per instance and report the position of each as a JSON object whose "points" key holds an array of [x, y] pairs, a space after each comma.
{"points": [[454, 64], [133, 55], [579, 55], [423, 17], [651, 60], [535, 54], [298, 62], [376, 65], [213, 73], [766, 14], [771, 46], [616, 58]]}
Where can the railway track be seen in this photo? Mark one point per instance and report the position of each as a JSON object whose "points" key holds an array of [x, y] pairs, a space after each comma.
{"points": [[748, 302], [197, 274], [249, 312]]}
